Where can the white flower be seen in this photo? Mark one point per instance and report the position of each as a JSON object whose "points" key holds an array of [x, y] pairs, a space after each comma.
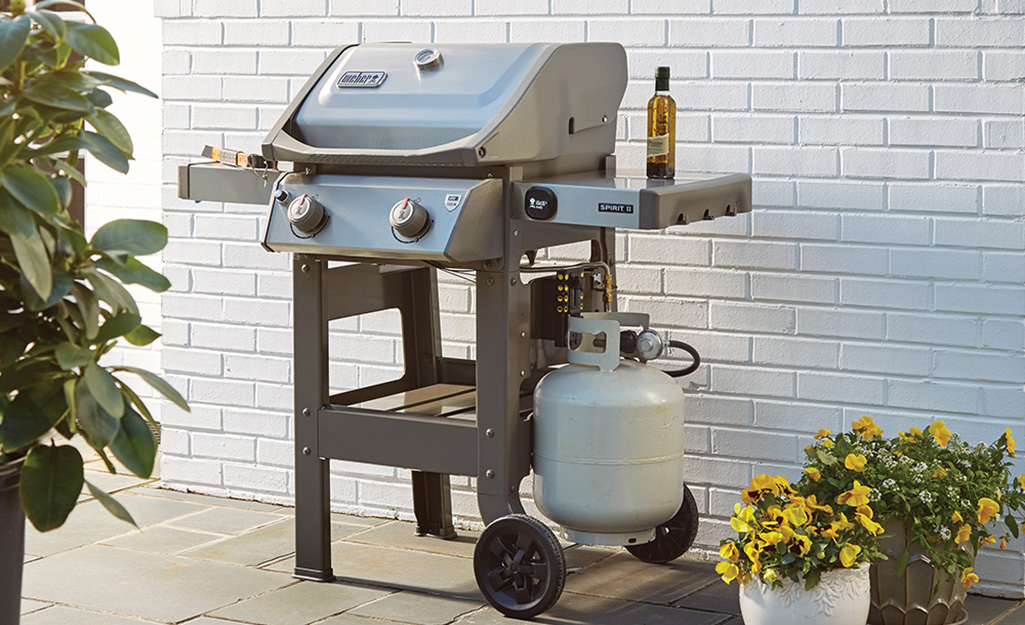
{"points": [[889, 483], [925, 496], [945, 533]]}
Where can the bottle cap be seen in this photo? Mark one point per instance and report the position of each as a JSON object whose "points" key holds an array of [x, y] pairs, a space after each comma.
{"points": [[662, 72]]}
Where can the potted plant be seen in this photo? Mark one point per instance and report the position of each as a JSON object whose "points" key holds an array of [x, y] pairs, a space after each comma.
{"points": [[802, 551], [62, 303], [940, 499]]}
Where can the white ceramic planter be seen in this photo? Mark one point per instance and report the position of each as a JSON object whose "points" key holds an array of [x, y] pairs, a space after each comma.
{"points": [[842, 597]]}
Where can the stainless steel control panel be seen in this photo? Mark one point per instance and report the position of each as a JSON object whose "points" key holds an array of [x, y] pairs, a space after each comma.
{"points": [[442, 219]]}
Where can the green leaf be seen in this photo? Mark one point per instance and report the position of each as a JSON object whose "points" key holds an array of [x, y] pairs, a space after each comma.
{"points": [[824, 458], [116, 326], [133, 236], [70, 356], [105, 151], [143, 335], [112, 505], [902, 562], [93, 41], [34, 262], [50, 21], [1012, 525], [135, 446], [96, 424], [812, 580], [60, 287], [14, 219], [50, 94], [89, 307], [110, 291], [62, 185], [32, 189], [103, 389], [134, 272], [108, 125], [13, 35], [160, 385], [100, 98], [23, 424], [122, 84], [51, 480]]}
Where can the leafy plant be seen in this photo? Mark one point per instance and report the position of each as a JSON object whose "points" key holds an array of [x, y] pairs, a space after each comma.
{"points": [[952, 497], [62, 303], [798, 532]]}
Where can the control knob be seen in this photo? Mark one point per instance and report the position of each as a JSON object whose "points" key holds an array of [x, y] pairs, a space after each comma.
{"points": [[409, 219], [306, 214]]}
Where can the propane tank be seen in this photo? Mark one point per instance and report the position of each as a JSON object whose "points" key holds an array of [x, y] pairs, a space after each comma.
{"points": [[608, 439]]}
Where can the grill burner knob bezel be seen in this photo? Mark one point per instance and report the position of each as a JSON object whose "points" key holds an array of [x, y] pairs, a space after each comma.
{"points": [[409, 219], [428, 59], [307, 215]]}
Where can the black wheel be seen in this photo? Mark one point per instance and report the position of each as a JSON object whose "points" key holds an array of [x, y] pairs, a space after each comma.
{"points": [[674, 537], [519, 566]]}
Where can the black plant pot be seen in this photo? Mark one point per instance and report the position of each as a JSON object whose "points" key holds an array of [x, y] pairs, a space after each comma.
{"points": [[12, 541]]}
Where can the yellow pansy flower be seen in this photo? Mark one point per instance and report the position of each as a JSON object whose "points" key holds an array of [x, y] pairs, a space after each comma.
{"points": [[801, 545], [940, 432], [788, 534], [828, 443], [987, 510], [769, 575], [963, 534], [855, 462], [849, 554], [728, 570], [968, 578], [867, 427], [796, 515], [765, 482], [1003, 543], [956, 517], [730, 552], [856, 496], [989, 540], [1010, 442], [743, 519], [866, 511], [941, 472], [771, 538], [1021, 481], [915, 432], [750, 495], [869, 524], [815, 474], [823, 433]]}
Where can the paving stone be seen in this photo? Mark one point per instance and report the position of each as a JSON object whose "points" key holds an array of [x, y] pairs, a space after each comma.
{"points": [[63, 615], [574, 608], [111, 482], [262, 545], [28, 605], [399, 569], [348, 619], [242, 504], [299, 604], [206, 620], [402, 534], [157, 587], [1014, 617], [339, 517], [161, 539], [718, 597], [983, 610], [623, 576], [226, 520], [90, 522], [417, 608]]}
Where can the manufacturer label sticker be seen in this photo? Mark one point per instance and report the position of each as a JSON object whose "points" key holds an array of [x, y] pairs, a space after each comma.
{"points": [[604, 207], [452, 201], [362, 79]]}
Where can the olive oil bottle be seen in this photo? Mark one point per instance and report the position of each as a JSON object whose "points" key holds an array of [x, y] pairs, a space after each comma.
{"points": [[661, 129]]}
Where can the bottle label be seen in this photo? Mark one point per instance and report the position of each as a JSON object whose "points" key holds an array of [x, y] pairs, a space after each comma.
{"points": [[658, 145]]}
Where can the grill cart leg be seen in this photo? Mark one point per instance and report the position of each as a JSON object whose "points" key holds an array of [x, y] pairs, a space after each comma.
{"points": [[312, 482], [432, 504]]}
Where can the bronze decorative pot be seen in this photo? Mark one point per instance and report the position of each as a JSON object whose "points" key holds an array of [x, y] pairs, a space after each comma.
{"points": [[909, 600]]}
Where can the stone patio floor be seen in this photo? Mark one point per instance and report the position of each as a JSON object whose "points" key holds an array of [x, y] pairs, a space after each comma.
{"points": [[210, 561]]}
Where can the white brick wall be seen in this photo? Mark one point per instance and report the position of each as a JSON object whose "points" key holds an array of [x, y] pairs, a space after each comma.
{"points": [[881, 272]]}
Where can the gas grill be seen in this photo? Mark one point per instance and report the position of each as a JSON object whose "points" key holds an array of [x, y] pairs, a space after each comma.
{"points": [[404, 160]]}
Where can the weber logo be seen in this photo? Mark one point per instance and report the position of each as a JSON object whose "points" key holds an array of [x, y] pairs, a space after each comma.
{"points": [[362, 79], [604, 207]]}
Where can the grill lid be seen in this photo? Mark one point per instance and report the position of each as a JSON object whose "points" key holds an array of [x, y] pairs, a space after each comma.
{"points": [[454, 104]]}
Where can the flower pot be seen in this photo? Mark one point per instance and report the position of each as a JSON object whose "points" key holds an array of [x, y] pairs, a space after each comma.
{"points": [[12, 541], [909, 600], [840, 598]]}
